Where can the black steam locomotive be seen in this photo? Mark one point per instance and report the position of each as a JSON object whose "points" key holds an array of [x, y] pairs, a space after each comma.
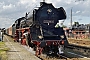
{"points": [[39, 30]]}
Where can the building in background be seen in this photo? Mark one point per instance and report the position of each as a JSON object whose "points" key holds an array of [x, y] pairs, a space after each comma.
{"points": [[78, 31]]}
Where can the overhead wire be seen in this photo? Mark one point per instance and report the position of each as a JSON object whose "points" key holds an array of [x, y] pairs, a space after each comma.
{"points": [[32, 4]]}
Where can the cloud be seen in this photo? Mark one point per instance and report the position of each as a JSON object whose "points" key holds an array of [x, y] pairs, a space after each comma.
{"points": [[8, 6], [10, 10], [5, 22], [77, 12]]}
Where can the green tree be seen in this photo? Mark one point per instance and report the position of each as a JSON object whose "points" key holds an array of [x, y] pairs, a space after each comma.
{"points": [[76, 23]]}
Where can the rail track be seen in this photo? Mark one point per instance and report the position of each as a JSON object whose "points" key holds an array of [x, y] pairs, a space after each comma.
{"points": [[82, 52], [85, 51], [52, 57], [63, 56]]}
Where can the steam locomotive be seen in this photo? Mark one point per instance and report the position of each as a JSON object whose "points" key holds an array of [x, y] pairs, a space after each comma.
{"points": [[39, 31]]}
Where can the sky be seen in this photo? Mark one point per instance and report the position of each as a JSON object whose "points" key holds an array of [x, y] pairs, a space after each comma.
{"points": [[11, 10]]}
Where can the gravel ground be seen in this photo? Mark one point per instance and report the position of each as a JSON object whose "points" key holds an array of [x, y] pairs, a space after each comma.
{"points": [[19, 52], [80, 42]]}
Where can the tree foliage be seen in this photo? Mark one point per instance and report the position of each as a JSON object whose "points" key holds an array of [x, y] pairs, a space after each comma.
{"points": [[76, 23]]}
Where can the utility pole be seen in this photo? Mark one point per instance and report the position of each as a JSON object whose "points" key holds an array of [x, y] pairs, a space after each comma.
{"points": [[71, 17], [71, 11]]}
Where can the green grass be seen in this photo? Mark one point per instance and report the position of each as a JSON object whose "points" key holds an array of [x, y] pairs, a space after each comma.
{"points": [[3, 51]]}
